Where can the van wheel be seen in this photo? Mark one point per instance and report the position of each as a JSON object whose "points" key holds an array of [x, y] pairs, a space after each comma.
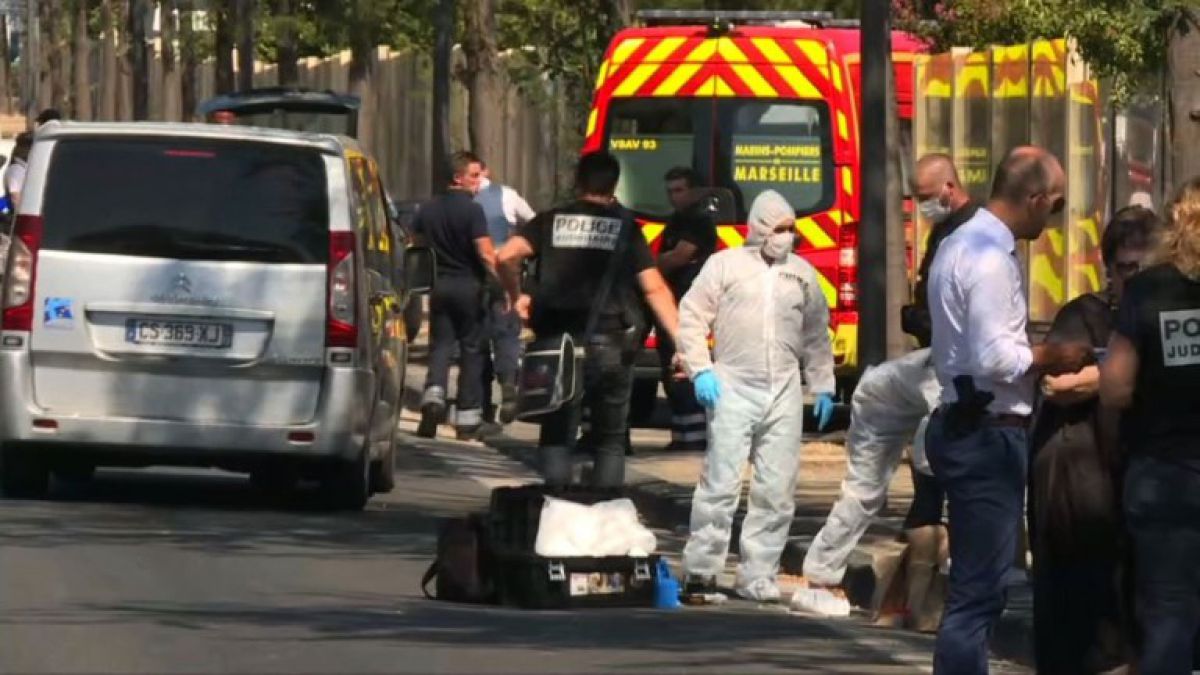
{"points": [[383, 472], [347, 486], [22, 476]]}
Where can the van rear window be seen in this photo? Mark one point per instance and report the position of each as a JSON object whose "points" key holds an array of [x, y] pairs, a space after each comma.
{"points": [[187, 198]]}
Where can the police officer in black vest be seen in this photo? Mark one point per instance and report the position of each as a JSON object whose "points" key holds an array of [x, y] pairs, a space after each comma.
{"points": [[1152, 373], [573, 245]]}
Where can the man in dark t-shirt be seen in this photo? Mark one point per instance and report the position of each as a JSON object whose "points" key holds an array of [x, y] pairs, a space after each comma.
{"points": [[453, 225], [574, 245], [688, 240]]}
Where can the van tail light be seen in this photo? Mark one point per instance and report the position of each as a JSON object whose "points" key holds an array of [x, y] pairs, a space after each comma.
{"points": [[22, 273], [847, 276], [342, 326]]}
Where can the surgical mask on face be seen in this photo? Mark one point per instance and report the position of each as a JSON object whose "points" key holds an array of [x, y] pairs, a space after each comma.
{"points": [[778, 244], [934, 210]]}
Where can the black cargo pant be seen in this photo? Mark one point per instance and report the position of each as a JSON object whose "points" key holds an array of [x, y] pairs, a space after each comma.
{"points": [[457, 316], [607, 378], [689, 425]]}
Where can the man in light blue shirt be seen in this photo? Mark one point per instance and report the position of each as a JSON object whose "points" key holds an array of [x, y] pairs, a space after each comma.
{"points": [[977, 444]]}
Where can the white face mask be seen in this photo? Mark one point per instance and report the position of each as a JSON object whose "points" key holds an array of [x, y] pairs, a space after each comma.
{"points": [[934, 210], [778, 244]]}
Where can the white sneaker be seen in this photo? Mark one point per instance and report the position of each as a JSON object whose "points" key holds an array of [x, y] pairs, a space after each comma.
{"points": [[818, 601], [760, 590]]}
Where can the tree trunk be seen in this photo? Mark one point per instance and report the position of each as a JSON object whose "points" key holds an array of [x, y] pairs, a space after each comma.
{"points": [[1184, 86], [620, 15], [485, 117], [81, 65], [362, 75], [245, 44], [443, 24], [287, 51], [5, 68], [188, 64], [138, 59], [55, 63], [108, 63], [170, 66], [223, 45]]}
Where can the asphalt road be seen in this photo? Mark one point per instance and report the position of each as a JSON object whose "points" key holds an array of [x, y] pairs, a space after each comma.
{"points": [[171, 572]]}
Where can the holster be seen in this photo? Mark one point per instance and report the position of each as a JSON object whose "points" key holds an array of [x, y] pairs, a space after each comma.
{"points": [[965, 416]]}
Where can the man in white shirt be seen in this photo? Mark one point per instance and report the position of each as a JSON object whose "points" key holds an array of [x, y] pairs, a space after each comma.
{"points": [[978, 445], [505, 210]]}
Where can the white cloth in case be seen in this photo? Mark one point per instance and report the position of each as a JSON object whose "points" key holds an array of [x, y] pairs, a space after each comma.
{"points": [[612, 528]]}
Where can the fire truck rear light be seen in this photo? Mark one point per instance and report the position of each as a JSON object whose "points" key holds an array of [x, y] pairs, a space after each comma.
{"points": [[848, 294], [848, 257]]}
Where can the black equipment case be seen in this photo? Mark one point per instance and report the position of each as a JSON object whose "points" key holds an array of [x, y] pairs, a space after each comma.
{"points": [[525, 579]]}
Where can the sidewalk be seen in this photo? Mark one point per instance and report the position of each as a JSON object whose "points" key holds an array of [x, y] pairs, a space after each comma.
{"points": [[661, 483]]}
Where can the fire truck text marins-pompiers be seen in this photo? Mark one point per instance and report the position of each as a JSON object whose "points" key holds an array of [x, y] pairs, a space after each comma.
{"points": [[753, 101]]}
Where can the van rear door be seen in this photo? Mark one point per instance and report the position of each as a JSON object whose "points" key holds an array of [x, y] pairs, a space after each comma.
{"points": [[182, 278]]}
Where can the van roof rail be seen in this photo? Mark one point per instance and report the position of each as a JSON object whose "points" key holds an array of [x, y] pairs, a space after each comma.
{"points": [[660, 17]]}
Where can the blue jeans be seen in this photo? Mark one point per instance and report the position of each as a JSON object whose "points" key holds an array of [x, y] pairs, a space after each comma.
{"points": [[1162, 510], [983, 474]]}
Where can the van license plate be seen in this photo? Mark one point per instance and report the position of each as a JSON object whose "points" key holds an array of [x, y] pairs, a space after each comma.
{"points": [[178, 333]]}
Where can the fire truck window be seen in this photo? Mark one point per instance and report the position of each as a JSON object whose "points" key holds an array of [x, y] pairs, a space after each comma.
{"points": [[776, 145], [649, 137]]}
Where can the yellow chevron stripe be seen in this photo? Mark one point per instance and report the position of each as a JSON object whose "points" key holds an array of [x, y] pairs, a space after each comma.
{"points": [[814, 233], [680, 76], [729, 51], [625, 49], [636, 79], [730, 236], [1089, 227], [755, 81], [847, 181], [703, 52], [591, 124], [835, 73], [843, 126], [1093, 278], [1056, 241], [602, 75], [664, 49], [796, 80], [814, 52], [828, 288], [719, 87], [1044, 277], [771, 50]]}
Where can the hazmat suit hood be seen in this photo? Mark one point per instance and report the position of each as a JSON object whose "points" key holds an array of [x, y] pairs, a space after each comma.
{"points": [[766, 213]]}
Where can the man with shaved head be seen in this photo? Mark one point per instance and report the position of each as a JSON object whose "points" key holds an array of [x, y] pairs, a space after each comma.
{"points": [[977, 440]]}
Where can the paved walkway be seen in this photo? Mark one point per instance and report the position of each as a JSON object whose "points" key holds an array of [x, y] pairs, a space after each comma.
{"points": [[662, 483]]}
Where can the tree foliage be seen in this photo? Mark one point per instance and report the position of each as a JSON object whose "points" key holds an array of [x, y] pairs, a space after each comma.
{"points": [[1124, 40]]}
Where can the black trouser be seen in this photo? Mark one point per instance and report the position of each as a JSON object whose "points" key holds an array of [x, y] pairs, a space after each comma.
{"points": [[501, 350], [607, 378], [689, 426], [928, 502], [1162, 511], [456, 316]]}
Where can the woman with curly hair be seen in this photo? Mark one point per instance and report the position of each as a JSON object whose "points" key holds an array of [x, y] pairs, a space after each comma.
{"points": [[1151, 381]]}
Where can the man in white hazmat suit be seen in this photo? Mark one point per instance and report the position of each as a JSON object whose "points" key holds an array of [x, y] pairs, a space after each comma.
{"points": [[769, 318]]}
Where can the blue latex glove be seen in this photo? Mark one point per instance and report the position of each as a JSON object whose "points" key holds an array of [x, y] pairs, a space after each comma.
{"points": [[823, 410], [708, 388]]}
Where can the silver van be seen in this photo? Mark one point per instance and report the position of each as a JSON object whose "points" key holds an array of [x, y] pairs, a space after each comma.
{"points": [[204, 295]]}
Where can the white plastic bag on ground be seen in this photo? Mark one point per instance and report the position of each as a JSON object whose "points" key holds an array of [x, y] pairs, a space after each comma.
{"points": [[605, 529]]}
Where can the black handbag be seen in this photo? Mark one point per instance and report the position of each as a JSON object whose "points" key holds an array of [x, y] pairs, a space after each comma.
{"points": [[552, 369]]}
